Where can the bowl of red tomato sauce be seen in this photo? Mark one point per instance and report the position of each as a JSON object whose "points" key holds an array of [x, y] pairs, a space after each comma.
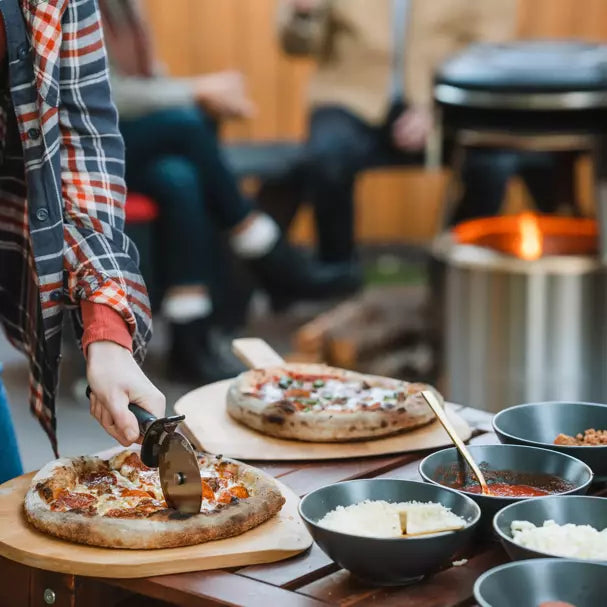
{"points": [[513, 473]]}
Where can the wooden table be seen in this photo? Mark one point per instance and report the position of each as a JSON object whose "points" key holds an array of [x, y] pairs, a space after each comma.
{"points": [[306, 580]]}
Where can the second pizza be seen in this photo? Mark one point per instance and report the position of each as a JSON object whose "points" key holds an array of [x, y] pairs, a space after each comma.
{"points": [[318, 403]]}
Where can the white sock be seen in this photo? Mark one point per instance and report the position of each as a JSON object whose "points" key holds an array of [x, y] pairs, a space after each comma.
{"points": [[186, 307], [257, 239]]}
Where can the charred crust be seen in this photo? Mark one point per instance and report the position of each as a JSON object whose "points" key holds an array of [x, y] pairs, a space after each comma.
{"points": [[45, 492], [274, 418], [175, 515], [286, 406]]}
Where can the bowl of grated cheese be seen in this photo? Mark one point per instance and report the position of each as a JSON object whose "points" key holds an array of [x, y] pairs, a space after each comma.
{"points": [[389, 531], [569, 526]]}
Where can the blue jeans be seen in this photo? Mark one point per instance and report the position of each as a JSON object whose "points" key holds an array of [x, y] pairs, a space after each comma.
{"points": [[10, 463], [340, 145], [174, 156]]}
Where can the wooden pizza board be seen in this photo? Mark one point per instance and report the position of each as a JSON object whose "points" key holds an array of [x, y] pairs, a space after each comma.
{"points": [[209, 426], [279, 538]]}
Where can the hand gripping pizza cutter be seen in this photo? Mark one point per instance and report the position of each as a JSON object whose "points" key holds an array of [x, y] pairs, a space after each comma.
{"points": [[165, 448]]}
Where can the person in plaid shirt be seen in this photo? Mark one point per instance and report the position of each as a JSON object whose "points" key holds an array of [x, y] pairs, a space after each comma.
{"points": [[62, 245]]}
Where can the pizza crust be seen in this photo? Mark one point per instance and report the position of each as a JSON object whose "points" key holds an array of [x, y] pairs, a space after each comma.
{"points": [[165, 529], [280, 420]]}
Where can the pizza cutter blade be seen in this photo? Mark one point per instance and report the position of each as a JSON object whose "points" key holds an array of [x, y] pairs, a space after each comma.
{"points": [[165, 448], [179, 474]]}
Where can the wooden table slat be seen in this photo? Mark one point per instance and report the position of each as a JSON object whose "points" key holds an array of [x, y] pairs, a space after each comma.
{"points": [[215, 588], [449, 588], [293, 572], [15, 582]]}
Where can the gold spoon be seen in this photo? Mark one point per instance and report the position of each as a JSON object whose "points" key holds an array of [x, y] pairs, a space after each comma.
{"points": [[457, 441]]}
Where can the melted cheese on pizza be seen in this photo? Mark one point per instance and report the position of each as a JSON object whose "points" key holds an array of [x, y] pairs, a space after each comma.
{"points": [[314, 393], [124, 487]]}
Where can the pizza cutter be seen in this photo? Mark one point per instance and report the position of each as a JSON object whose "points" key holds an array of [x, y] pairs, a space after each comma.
{"points": [[167, 449]]}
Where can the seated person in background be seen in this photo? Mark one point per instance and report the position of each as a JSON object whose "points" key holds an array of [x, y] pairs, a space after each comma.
{"points": [[371, 98], [173, 156]]}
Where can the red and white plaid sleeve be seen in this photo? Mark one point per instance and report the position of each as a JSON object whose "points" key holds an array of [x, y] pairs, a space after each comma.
{"points": [[101, 263]]}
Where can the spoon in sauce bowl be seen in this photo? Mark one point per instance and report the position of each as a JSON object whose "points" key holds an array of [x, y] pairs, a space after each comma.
{"points": [[457, 441]]}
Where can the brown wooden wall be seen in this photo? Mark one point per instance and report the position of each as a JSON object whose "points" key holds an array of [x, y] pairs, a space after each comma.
{"points": [[196, 36]]}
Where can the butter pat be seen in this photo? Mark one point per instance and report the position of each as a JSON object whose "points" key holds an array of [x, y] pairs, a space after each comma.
{"points": [[421, 519], [378, 518]]}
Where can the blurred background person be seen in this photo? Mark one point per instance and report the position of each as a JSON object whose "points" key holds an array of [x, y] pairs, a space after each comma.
{"points": [[173, 156], [371, 99]]}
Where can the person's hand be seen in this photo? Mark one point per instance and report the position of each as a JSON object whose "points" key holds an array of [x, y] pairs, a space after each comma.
{"points": [[223, 94], [116, 380], [411, 129]]}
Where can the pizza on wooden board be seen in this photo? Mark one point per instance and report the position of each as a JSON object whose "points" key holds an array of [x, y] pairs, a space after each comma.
{"points": [[318, 403], [118, 503]]}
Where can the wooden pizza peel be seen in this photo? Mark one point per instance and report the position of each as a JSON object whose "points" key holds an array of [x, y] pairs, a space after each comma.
{"points": [[209, 426], [279, 538]]}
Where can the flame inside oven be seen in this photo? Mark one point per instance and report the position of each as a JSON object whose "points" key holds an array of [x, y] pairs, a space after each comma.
{"points": [[529, 237]]}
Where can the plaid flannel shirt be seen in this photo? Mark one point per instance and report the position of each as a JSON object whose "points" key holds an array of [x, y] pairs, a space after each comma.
{"points": [[61, 190]]}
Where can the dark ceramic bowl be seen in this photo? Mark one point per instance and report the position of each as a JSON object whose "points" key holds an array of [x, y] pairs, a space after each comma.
{"points": [[538, 424], [531, 583], [576, 509], [527, 465], [388, 561]]}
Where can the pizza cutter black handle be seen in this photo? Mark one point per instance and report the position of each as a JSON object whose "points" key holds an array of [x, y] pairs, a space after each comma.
{"points": [[151, 429], [144, 418]]}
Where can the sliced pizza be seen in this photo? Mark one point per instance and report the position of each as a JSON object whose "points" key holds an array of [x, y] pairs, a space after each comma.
{"points": [[118, 503]]}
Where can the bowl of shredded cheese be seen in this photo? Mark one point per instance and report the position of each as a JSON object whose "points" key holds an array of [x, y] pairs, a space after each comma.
{"points": [[389, 531], [573, 527]]}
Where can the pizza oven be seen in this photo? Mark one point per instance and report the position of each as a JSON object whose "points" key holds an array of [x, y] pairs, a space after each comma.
{"points": [[525, 311]]}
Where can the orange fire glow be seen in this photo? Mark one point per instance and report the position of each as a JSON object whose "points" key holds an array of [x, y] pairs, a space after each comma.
{"points": [[529, 237]]}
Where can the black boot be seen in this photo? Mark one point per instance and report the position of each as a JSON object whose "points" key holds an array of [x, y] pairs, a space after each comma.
{"points": [[196, 355], [289, 275]]}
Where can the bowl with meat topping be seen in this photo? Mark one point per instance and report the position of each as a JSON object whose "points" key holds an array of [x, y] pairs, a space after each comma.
{"points": [[571, 526], [513, 473], [542, 583], [389, 531], [574, 428]]}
